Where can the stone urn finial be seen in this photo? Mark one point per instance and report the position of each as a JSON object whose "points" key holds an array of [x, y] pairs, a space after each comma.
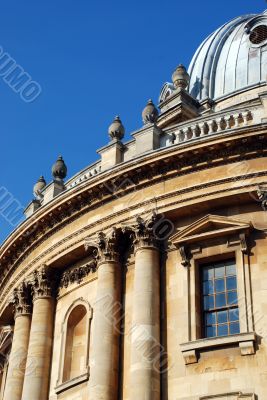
{"points": [[59, 170], [180, 77], [150, 113], [116, 130], [38, 187]]}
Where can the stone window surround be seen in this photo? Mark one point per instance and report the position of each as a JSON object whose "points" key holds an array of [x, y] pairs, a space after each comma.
{"points": [[230, 396], [232, 239], [61, 385]]}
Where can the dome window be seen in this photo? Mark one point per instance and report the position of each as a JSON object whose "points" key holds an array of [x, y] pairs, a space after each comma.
{"points": [[258, 35]]}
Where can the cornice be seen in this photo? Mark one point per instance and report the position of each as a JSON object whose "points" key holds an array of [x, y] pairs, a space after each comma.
{"points": [[80, 234], [154, 168]]}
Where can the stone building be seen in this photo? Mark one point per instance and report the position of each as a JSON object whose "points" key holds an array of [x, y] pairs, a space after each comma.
{"points": [[144, 276]]}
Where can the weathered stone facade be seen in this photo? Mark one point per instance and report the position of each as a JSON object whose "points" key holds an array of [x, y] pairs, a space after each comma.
{"points": [[102, 287]]}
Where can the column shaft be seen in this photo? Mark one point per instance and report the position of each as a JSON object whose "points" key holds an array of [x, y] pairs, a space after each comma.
{"points": [[104, 362], [37, 374], [17, 359], [145, 332]]}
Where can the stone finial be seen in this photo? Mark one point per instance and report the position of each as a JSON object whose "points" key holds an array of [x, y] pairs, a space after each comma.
{"points": [[116, 130], [59, 170], [150, 113], [38, 187], [180, 77]]}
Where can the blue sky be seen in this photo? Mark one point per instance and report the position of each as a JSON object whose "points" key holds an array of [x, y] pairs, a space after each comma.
{"points": [[93, 60]]}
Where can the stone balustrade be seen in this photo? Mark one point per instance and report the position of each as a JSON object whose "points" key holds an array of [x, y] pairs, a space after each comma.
{"points": [[211, 126]]}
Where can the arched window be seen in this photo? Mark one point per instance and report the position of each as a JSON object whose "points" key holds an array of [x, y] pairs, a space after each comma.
{"points": [[76, 343], [74, 363]]}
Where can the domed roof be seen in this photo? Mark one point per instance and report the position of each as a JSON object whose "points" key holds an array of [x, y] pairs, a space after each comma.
{"points": [[232, 58]]}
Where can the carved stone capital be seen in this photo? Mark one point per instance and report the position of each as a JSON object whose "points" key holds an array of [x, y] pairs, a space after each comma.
{"points": [[42, 283], [105, 245], [143, 232], [21, 300]]}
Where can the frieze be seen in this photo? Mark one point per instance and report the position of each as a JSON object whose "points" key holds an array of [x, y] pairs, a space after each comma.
{"points": [[77, 274], [41, 256], [71, 207]]}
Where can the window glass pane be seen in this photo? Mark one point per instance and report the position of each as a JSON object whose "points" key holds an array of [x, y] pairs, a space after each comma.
{"points": [[219, 271], [220, 300], [230, 268], [234, 315], [208, 287], [231, 283], [222, 330], [219, 285], [211, 318], [232, 297], [208, 273], [234, 328], [222, 317], [208, 302], [210, 331]]}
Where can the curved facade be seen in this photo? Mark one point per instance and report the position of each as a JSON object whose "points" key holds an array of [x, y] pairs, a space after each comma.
{"points": [[144, 276]]}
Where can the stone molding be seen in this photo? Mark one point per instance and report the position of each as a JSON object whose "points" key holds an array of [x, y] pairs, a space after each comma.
{"points": [[245, 341], [230, 396], [21, 300], [210, 227], [243, 148], [23, 256], [105, 246]]}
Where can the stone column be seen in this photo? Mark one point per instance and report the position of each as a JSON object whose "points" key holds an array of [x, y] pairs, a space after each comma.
{"points": [[104, 360], [145, 331], [20, 342], [37, 375]]}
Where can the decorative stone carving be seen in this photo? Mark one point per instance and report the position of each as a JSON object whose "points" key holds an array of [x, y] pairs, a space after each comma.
{"points": [[21, 300], [42, 283], [143, 232], [59, 170], [180, 77], [116, 130], [150, 113], [262, 195], [185, 260], [76, 275], [19, 249], [243, 243], [105, 245], [38, 187]]}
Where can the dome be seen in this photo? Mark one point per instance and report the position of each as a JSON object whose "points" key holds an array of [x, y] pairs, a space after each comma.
{"points": [[233, 58]]}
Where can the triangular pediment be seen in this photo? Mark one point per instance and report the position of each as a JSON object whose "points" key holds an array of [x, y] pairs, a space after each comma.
{"points": [[208, 227]]}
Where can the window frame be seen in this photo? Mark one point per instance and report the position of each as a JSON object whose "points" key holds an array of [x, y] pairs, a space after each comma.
{"points": [[212, 238], [215, 309]]}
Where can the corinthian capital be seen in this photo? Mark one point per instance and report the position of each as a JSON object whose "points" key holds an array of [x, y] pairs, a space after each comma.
{"points": [[42, 283], [144, 231], [106, 245], [21, 300]]}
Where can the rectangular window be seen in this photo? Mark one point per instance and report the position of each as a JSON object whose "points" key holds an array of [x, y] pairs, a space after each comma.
{"points": [[219, 299]]}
